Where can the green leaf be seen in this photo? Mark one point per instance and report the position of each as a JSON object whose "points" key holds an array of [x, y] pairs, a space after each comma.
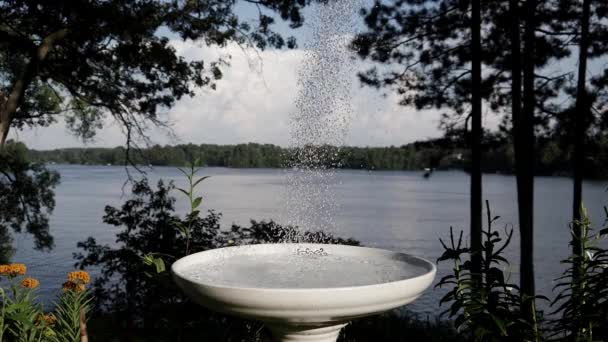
{"points": [[200, 180], [160, 265], [197, 202], [183, 191], [184, 172]]}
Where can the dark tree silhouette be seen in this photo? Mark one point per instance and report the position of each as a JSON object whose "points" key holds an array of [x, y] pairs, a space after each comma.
{"points": [[580, 25], [432, 54], [426, 52], [86, 58], [524, 157], [26, 198], [587, 24], [476, 138], [582, 106]]}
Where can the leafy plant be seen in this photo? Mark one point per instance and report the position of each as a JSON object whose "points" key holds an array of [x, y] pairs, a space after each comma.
{"points": [[72, 311], [22, 318], [485, 306], [583, 297], [194, 201]]}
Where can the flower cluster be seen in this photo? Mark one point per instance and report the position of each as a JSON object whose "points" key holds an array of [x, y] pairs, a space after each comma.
{"points": [[48, 319], [13, 270], [77, 281], [21, 315], [79, 276], [30, 283]]}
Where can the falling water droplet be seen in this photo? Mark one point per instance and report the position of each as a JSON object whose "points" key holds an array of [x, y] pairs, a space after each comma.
{"points": [[320, 123]]}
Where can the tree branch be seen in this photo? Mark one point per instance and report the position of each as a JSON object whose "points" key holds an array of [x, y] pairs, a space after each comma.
{"points": [[8, 109]]}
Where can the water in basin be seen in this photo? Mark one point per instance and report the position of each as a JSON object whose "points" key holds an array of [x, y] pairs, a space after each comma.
{"points": [[297, 271]]}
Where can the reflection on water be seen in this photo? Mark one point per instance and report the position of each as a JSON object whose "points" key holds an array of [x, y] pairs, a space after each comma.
{"points": [[400, 211]]}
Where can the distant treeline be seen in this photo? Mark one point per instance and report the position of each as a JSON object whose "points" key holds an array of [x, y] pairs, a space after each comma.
{"points": [[442, 153]]}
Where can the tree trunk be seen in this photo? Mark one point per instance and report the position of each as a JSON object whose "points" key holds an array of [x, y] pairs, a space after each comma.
{"points": [[9, 106], [524, 158], [476, 136], [516, 92], [580, 128]]}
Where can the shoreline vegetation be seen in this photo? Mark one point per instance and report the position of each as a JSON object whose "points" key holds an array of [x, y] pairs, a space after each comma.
{"points": [[553, 158]]}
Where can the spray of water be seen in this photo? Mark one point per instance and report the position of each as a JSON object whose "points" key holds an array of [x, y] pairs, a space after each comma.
{"points": [[320, 123]]}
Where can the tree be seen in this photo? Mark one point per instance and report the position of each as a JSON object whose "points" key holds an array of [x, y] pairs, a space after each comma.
{"points": [[26, 197], [432, 55], [586, 25], [84, 59], [476, 137], [422, 49], [523, 127], [532, 46], [580, 127]]}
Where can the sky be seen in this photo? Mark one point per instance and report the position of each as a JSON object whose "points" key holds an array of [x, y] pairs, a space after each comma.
{"points": [[253, 103]]}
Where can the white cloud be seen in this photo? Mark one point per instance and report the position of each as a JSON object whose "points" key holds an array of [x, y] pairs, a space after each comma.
{"points": [[252, 104]]}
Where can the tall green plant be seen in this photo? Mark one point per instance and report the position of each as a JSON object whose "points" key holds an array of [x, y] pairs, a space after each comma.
{"points": [[184, 227], [195, 201], [485, 306], [583, 297]]}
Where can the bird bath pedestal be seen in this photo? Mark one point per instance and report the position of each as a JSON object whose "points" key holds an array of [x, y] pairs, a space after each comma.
{"points": [[303, 292]]}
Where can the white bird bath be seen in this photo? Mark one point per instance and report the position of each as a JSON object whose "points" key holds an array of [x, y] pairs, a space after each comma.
{"points": [[303, 292]]}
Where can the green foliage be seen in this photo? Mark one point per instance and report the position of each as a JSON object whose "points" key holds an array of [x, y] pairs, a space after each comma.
{"points": [[73, 309], [194, 201], [553, 158], [485, 306], [82, 58], [583, 298], [20, 315], [26, 197], [22, 318]]}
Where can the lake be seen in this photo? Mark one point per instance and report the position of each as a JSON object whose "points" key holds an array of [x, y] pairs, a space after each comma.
{"points": [[399, 211]]}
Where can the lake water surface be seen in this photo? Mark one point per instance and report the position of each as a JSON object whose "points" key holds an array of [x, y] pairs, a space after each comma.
{"points": [[399, 211]]}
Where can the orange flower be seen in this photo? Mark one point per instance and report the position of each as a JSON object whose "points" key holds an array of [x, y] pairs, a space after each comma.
{"points": [[30, 283], [73, 286], [49, 319], [69, 286], [17, 269], [79, 277], [12, 270], [4, 269]]}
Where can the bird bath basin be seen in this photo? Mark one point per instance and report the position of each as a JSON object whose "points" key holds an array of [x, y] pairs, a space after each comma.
{"points": [[302, 292]]}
